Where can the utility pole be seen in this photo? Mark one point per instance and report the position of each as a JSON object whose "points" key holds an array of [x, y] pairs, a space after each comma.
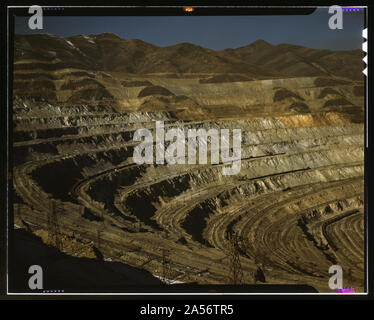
{"points": [[98, 240], [164, 262], [235, 267], [19, 211], [53, 228]]}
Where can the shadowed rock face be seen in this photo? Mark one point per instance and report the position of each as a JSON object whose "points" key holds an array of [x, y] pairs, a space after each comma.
{"points": [[136, 83], [154, 90], [296, 204], [225, 78], [71, 274]]}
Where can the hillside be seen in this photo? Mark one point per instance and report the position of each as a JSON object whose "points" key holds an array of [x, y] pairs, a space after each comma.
{"points": [[108, 52], [295, 208]]}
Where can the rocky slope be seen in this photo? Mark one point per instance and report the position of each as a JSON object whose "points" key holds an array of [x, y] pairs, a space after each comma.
{"points": [[108, 52], [296, 205]]}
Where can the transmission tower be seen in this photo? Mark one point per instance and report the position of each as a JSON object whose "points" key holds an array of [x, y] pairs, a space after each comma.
{"points": [[236, 272], [53, 228], [165, 267], [99, 232]]}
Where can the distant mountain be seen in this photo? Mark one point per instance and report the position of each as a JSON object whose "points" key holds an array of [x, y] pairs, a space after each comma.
{"points": [[108, 52], [292, 60]]}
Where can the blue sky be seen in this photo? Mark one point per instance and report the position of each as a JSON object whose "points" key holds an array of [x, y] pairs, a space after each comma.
{"points": [[215, 32]]}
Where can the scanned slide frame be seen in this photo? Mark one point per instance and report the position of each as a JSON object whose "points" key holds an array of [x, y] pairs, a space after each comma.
{"points": [[187, 150]]}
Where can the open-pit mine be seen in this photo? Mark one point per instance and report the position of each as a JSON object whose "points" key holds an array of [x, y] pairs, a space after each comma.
{"points": [[295, 208]]}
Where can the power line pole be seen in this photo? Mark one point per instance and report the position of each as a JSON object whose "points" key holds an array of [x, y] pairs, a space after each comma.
{"points": [[167, 270], [164, 262], [235, 267], [99, 239], [53, 228]]}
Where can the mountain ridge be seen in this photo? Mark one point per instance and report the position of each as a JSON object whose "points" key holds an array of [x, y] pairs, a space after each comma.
{"points": [[260, 59]]}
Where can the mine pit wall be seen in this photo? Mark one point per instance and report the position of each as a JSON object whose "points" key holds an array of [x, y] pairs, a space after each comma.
{"points": [[153, 194], [94, 142], [263, 92], [308, 94], [47, 116], [318, 148]]}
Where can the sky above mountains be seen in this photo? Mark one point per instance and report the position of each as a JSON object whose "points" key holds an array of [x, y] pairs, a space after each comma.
{"points": [[215, 32]]}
